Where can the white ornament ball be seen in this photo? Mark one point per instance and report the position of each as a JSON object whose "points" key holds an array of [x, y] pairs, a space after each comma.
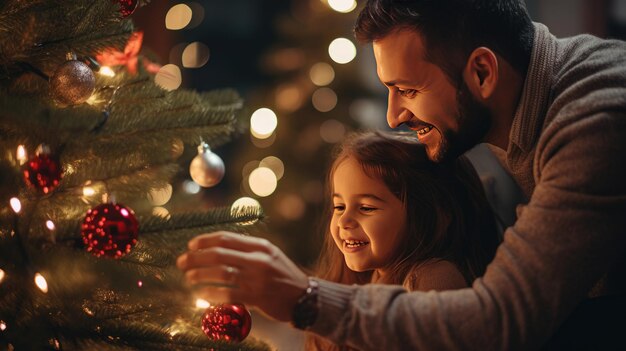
{"points": [[207, 168]]}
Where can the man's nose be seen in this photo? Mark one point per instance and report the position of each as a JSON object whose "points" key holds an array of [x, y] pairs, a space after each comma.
{"points": [[396, 114]]}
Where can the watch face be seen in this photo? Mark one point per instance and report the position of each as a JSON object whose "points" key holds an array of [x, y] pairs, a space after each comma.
{"points": [[305, 311]]}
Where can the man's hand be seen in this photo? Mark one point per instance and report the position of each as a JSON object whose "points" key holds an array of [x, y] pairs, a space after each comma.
{"points": [[229, 267]]}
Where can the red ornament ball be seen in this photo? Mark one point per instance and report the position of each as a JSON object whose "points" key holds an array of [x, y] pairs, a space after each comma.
{"points": [[43, 172], [227, 322], [127, 7], [110, 230]]}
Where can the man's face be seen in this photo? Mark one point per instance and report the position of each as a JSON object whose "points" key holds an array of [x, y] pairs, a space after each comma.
{"points": [[448, 120]]}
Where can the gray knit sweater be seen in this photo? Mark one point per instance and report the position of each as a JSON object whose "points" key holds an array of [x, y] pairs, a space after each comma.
{"points": [[567, 151]]}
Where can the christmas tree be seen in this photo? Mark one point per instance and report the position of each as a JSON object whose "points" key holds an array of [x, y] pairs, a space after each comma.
{"points": [[85, 262]]}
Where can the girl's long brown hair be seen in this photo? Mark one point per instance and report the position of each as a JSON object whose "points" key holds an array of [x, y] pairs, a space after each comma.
{"points": [[448, 216]]}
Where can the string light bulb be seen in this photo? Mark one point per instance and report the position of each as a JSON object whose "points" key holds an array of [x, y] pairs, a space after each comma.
{"points": [[200, 303], [16, 205], [21, 155], [41, 283]]}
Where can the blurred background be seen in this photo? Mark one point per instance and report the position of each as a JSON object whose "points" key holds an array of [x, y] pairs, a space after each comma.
{"points": [[306, 83]]}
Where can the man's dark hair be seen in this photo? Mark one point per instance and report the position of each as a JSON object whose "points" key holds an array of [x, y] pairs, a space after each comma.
{"points": [[452, 29]]}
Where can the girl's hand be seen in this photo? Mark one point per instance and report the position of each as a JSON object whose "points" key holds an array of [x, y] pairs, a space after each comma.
{"points": [[229, 267]]}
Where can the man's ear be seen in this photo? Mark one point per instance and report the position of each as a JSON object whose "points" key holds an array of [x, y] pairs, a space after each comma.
{"points": [[481, 72]]}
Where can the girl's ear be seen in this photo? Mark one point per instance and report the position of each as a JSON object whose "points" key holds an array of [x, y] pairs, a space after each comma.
{"points": [[481, 72]]}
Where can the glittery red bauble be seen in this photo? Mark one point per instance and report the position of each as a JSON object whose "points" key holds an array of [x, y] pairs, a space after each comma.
{"points": [[43, 172], [110, 230], [127, 7], [226, 322]]}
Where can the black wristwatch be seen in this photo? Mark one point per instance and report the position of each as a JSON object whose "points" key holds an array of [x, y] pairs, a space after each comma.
{"points": [[305, 310]]}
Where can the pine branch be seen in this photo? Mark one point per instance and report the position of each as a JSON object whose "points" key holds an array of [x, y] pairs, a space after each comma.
{"points": [[152, 108], [41, 33]]}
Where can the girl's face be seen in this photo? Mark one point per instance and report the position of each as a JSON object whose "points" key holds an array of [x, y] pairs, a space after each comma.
{"points": [[368, 220]]}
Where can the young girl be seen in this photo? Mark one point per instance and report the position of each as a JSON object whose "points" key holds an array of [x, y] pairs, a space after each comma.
{"points": [[398, 218]]}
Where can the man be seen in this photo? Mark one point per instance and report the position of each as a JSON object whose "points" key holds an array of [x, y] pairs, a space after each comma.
{"points": [[460, 72]]}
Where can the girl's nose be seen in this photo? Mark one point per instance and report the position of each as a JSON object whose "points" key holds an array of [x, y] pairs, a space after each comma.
{"points": [[346, 221]]}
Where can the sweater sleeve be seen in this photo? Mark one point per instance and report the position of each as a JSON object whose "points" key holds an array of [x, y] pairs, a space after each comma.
{"points": [[565, 239]]}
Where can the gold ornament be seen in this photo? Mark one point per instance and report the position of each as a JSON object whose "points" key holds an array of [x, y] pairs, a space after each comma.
{"points": [[73, 82], [206, 169]]}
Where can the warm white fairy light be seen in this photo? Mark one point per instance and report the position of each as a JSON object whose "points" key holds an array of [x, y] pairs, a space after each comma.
{"points": [[139, 283], [342, 50], [200, 303], [41, 282], [88, 191], [263, 122], [106, 71], [3, 326], [50, 225], [263, 181], [21, 154], [16, 205], [343, 6], [2, 274]]}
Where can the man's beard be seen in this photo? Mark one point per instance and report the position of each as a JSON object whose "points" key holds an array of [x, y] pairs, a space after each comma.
{"points": [[474, 121]]}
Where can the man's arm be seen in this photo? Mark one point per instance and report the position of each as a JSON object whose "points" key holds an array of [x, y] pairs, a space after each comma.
{"points": [[565, 239]]}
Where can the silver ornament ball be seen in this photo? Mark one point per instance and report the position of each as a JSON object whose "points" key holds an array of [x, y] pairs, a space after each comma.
{"points": [[72, 83], [207, 168]]}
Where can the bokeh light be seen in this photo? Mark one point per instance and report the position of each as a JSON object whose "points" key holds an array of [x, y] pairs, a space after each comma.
{"points": [[369, 113], [200, 303], [160, 196], [178, 17], [169, 77], [332, 131], [322, 74], [41, 282], [262, 181], [50, 225], [197, 15], [275, 164], [195, 55], [16, 205], [289, 97], [263, 122], [1, 275], [106, 71], [191, 187], [291, 207], [241, 205], [161, 212], [324, 99], [342, 50], [343, 6]]}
